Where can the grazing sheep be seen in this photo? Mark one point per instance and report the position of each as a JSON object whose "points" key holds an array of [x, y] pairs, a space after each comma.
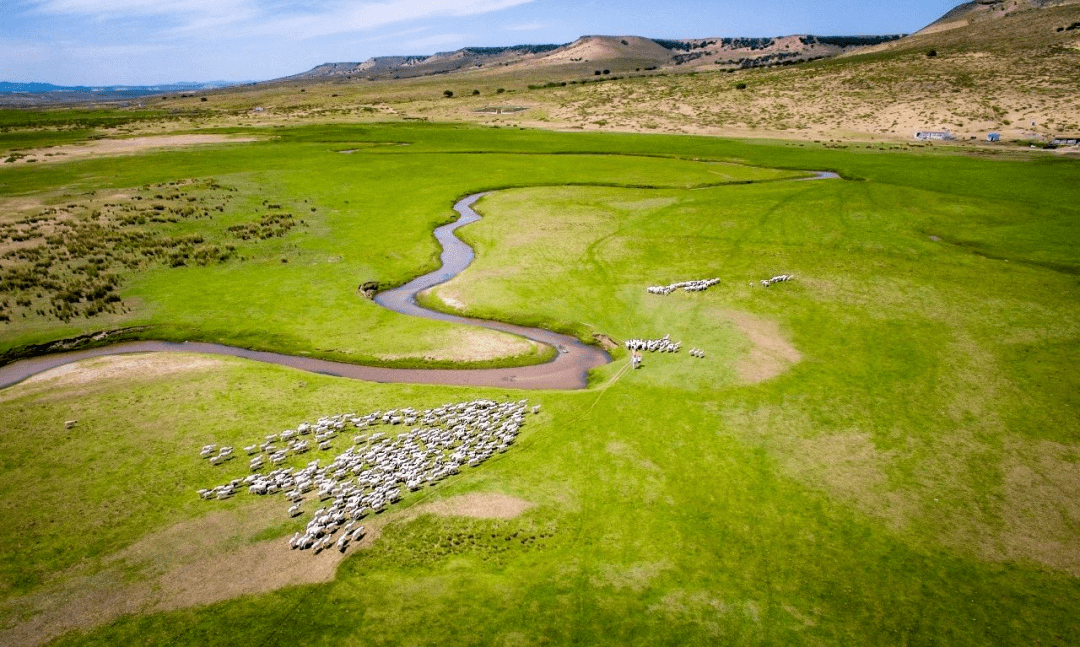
{"points": [[662, 345], [687, 286], [365, 478], [776, 279]]}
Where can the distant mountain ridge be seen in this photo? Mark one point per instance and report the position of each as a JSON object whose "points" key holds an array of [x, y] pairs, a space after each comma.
{"points": [[612, 53], [7, 87]]}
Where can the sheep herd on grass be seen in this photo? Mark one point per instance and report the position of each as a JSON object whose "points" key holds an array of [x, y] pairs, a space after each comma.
{"points": [[776, 279], [367, 477], [687, 286], [664, 344]]}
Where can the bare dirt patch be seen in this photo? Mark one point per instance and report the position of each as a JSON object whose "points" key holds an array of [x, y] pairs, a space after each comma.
{"points": [[15, 208], [1042, 504], [473, 345], [478, 505], [850, 466], [770, 354], [206, 560], [128, 367], [107, 147]]}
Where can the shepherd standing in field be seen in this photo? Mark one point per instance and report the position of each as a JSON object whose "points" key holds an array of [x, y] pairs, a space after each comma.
{"points": [[635, 358]]}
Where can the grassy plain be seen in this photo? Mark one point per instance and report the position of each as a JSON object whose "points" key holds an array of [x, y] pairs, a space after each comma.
{"points": [[296, 290], [883, 451]]}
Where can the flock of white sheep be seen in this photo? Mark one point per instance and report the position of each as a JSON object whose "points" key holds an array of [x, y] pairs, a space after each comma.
{"points": [[704, 284], [367, 477], [687, 286], [776, 279], [662, 345]]}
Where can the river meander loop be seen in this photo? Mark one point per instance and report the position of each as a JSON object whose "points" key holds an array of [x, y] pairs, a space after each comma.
{"points": [[568, 370]]}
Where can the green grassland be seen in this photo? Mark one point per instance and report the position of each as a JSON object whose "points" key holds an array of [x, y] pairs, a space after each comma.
{"points": [[293, 288], [883, 451]]}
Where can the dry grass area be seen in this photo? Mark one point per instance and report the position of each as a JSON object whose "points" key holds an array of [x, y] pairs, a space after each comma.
{"points": [[202, 561], [770, 353], [478, 505], [1042, 505], [1007, 71], [125, 146], [1031, 515], [140, 366], [472, 345]]}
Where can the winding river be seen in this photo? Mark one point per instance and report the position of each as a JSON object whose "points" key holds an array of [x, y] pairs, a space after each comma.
{"points": [[568, 370]]}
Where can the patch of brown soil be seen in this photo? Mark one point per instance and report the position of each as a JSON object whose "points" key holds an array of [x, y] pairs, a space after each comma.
{"points": [[478, 505], [259, 568], [1042, 505], [84, 603], [851, 467], [105, 147], [14, 208], [606, 342], [450, 299], [475, 345], [636, 577], [135, 366], [203, 561], [770, 354]]}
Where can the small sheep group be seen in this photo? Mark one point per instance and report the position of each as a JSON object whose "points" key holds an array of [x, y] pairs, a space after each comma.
{"points": [[688, 286], [226, 453], [776, 279], [662, 345]]}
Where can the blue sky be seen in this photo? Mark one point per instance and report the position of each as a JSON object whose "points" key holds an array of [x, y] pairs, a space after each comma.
{"points": [[99, 42]]}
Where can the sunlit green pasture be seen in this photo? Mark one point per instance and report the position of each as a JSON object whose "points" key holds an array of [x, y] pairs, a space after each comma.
{"points": [[368, 216], [882, 451]]}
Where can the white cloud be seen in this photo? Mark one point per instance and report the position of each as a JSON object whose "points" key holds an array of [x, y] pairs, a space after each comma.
{"points": [[202, 39], [104, 9], [347, 18], [272, 17]]}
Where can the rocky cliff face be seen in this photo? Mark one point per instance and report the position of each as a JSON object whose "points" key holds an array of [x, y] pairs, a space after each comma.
{"points": [[616, 54]]}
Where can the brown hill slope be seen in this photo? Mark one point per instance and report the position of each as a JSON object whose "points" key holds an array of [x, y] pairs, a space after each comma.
{"points": [[983, 10], [617, 54], [1011, 69]]}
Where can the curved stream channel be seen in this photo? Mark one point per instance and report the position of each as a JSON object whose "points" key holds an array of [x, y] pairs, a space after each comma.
{"points": [[568, 370]]}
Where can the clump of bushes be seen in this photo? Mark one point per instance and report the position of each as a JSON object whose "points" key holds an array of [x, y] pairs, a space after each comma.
{"points": [[76, 267], [269, 226]]}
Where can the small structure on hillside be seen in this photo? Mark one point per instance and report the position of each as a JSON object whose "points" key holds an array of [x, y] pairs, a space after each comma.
{"points": [[501, 110], [941, 135], [993, 137]]}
